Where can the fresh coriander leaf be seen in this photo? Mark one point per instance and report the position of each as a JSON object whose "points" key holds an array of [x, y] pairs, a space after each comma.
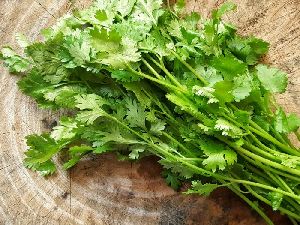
{"points": [[91, 103], [272, 79], [242, 87], [229, 66], [228, 129], [223, 91], [201, 189], [136, 114], [35, 86], [293, 122], [15, 63], [177, 168], [22, 40], [224, 8], [157, 127], [46, 168], [136, 150], [105, 41], [147, 12], [171, 179], [41, 149], [179, 6], [218, 156], [66, 130], [64, 96], [249, 49], [276, 199], [124, 76], [281, 123], [76, 153]]}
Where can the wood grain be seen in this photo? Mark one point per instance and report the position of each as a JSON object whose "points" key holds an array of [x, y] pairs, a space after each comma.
{"points": [[101, 190]]}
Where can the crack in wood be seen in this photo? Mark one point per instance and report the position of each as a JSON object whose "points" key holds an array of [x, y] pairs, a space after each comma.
{"points": [[45, 8]]}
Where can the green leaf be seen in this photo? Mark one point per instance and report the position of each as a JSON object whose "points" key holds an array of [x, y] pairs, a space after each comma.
{"points": [[105, 41], [135, 151], [147, 12], [171, 179], [15, 63], [66, 130], [157, 127], [124, 76], [242, 87], [201, 189], [210, 74], [136, 114], [276, 199], [91, 103], [224, 8], [229, 66], [280, 121], [248, 49], [272, 79], [64, 96], [177, 168], [46, 168], [35, 86], [125, 7], [218, 156], [78, 45], [76, 153], [22, 40], [179, 6], [293, 121], [241, 116], [223, 91], [228, 128], [41, 149]]}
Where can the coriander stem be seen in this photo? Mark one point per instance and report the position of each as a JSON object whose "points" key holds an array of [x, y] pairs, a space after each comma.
{"points": [[268, 162], [268, 168], [252, 205], [205, 83], [163, 68], [178, 143], [152, 69], [286, 211], [154, 79], [263, 153], [275, 141]]}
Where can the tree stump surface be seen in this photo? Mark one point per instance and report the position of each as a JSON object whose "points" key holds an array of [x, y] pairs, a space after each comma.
{"points": [[101, 190]]}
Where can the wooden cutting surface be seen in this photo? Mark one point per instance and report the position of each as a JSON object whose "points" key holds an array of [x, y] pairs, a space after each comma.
{"points": [[101, 190]]}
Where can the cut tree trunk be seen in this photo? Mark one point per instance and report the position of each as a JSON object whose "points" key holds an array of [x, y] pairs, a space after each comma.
{"points": [[101, 190]]}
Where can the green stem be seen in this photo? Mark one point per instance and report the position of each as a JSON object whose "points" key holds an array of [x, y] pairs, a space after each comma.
{"points": [[163, 68], [205, 83], [268, 137], [262, 152], [178, 143], [261, 198], [294, 222], [172, 87], [268, 168], [152, 69], [252, 205], [259, 158], [197, 169], [278, 136]]}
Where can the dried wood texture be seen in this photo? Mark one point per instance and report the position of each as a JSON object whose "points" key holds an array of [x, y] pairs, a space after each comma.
{"points": [[101, 190]]}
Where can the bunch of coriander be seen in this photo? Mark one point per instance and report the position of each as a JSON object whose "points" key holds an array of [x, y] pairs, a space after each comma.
{"points": [[143, 79]]}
